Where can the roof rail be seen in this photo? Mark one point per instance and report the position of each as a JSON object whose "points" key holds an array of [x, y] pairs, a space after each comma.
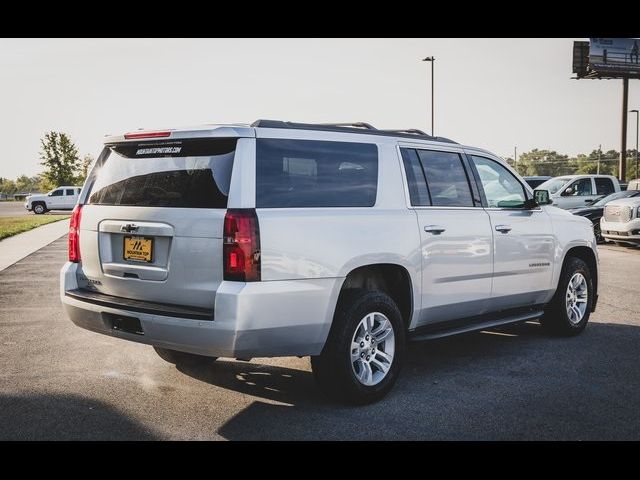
{"points": [[368, 126], [415, 131], [358, 127]]}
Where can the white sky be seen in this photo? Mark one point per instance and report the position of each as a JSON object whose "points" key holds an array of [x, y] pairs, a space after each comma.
{"points": [[492, 93]]}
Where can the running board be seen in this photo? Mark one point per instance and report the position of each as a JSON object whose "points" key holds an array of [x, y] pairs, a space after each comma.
{"points": [[430, 332]]}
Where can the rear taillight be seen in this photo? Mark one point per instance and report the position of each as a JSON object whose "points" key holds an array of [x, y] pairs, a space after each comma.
{"points": [[74, 234], [241, 247]]}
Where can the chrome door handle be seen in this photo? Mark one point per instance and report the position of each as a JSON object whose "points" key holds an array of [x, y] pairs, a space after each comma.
{"points": [[435, 229], [503, 228]]}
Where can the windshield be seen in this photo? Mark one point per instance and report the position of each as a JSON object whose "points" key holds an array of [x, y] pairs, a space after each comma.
{"points": [[554, 184], [614, 196]]}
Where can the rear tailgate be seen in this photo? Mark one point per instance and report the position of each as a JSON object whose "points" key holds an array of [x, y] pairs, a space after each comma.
{"points": [[152, 223]]}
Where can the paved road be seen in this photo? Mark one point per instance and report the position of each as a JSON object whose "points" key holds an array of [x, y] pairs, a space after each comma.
{"points": [[16, 209], [58, 381]]}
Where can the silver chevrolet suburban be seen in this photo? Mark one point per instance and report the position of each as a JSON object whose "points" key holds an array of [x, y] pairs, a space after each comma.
{"points": [[337, 241]]}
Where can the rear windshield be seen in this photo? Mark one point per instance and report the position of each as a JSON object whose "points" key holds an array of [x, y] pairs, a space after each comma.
{"points": [[310, 173], [190, 173]]}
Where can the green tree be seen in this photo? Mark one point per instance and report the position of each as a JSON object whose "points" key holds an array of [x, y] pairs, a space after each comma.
{"points": [[7, 186], [87, 161], [45, 185], [60, 158], [28, 184], [544, 162]]}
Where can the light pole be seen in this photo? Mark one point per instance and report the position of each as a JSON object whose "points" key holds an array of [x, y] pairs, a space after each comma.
{"points": [[637, 133], [432, 60]]}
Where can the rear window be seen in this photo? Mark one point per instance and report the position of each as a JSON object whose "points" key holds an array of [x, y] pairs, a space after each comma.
{"points": [[604, 186], [309, 173], [190, 173]]}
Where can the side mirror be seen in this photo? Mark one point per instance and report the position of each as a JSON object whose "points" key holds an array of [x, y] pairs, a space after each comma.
{"points": [[541, 197], [568, 191], [50, 194]]}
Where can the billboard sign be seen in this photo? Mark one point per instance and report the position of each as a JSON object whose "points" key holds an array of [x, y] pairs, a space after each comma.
{"points": [[615, 56]]}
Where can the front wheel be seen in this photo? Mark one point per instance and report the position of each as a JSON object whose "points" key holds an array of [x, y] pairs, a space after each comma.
{"points": [[569, 310], [182, 358], [363, 355], [598, 233], [39, 209]]}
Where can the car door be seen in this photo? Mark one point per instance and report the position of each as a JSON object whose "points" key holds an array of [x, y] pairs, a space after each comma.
{"points": [[55, 199], [68, 198], [578, 193], [523, 240], [604, 186], [71, 197], [455, 231]]}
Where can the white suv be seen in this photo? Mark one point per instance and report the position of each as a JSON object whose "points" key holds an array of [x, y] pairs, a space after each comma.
{"points": [[61, 198], [573, 191], [337, 242]]}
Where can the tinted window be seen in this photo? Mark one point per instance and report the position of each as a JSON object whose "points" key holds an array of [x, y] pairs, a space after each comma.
{"points": [[307, 173], [182, 173], [446, 179], [581, 187], [535, 183], [501, 188], [57, 193], [415, 178], [70, 191], [604, 186]]}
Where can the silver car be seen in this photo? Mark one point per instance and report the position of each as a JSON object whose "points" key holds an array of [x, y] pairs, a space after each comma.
{"points": [[340, 242]]}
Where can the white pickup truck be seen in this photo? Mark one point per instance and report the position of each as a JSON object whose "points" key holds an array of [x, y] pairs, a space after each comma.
{"points": [[61, 198], [620, 222], [572, 191]]}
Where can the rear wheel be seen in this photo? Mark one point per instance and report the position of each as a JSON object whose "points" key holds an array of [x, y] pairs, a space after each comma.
{"points": [[39, 208], [182, 358], [363, 355], [568, 312]]}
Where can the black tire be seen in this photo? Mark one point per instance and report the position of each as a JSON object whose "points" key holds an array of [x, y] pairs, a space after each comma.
{"points": [[333, 368], [39, 208], [556, 318], [182, 358], [597, 232]]}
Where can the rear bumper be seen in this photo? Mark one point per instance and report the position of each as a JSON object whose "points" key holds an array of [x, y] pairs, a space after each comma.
{"points": [[261, 319]]}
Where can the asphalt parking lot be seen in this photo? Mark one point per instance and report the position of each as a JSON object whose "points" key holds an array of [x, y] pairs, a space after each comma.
{"points": [[16, 209], [61, 382]]}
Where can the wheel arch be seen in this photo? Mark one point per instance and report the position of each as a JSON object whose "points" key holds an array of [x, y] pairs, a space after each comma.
{"points": [[39, 202], [391, 278], [589, 257]]}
